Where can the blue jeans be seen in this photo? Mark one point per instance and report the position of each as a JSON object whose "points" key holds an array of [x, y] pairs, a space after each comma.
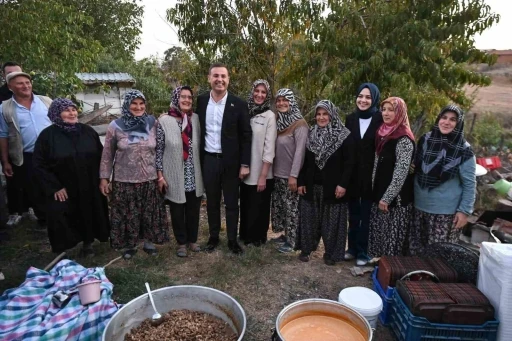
{"points": [[359, 211]]}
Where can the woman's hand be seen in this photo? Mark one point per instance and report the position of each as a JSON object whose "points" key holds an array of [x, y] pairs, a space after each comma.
{"points": [[61, 195], [262, 184], [460, 220], [104, 187], [339, 192], [301, 190], [383, 206], [162, 185], [292, 184]]}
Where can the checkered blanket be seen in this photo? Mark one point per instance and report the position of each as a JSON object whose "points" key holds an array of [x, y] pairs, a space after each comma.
{"points": [[27, 313]]}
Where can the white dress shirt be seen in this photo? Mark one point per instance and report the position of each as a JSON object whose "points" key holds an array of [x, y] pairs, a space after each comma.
{"points": [[363, 125], [214, 115]]}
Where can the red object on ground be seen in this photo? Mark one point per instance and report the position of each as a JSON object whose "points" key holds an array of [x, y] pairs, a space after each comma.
{"points": [[491, 162]]}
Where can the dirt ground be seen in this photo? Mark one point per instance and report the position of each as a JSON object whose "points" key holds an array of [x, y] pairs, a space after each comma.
{"points": [[262, 280], [497, 97]]}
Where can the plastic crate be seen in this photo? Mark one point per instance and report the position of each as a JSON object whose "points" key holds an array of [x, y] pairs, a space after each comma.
{"points": [[408, 327], [387, 298], [491, 162]]}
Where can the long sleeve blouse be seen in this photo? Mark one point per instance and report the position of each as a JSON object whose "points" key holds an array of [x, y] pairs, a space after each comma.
{"points": [[128, 162]]}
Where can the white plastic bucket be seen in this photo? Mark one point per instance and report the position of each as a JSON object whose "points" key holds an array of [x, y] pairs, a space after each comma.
{"points": [[363, 300], [89, 292]]}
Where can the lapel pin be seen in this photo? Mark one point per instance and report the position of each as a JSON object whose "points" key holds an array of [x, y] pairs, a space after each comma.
{"points": [[232, 105]]}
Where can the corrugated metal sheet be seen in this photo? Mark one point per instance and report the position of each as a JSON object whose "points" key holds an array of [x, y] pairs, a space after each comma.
{"points": [[96, 78]]}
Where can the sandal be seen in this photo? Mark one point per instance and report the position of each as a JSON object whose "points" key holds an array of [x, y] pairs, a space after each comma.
{"points": [[182, 251], [128, 254], [194, 247]]}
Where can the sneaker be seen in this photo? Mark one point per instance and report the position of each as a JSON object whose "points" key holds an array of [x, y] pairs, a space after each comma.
{"points": [[361, 262], [285, 248], [14, 219], [30, 215], [279, 240], [349, 256]]}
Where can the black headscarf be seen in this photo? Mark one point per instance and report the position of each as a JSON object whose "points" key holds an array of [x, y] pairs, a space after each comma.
{"points": [[375, 94], [440, 156]]}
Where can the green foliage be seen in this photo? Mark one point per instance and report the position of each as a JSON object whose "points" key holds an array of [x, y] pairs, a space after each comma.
{"points": [[418, 50], [150, 79], [56, 38], [487, 132]]}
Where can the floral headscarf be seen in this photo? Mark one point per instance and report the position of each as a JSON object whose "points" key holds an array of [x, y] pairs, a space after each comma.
{"points": [[137, 127], [186, 123], [255, 109], [285, 119], [440, 156], [398, 128], [323, 142], [56, 108]]}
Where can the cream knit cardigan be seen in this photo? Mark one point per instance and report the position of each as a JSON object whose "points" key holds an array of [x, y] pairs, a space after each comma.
{"points": [[173, 171]]}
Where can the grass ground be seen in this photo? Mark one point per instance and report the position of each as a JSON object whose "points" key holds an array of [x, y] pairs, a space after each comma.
{"points": [[262, 280]]}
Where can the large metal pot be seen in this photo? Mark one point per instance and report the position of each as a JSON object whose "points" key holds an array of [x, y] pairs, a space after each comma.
{"points": [[317, 306], [190, 297]]}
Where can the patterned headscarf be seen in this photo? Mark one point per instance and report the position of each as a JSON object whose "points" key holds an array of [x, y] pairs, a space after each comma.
{"points": [[375, 94], [56, 108], [255, 109], [440, 156], [186, 122], [323, 142], [137, 127], [285, 119], [398, 128]]}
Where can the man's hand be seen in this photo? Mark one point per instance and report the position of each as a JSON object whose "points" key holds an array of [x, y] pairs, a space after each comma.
{"points": [[244, 171], [292, 184], [301, 190], [7, 169], [61, 195]]}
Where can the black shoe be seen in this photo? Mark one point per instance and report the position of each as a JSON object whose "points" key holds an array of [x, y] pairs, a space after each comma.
{"points": [[328, 260], [151, 252], [304, 257], [235, 248], [212, 244], [257, 243]]}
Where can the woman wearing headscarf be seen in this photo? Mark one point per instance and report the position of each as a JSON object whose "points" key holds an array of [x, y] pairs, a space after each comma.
{"points": [[392, 182], [256, 189], [363, 124], [292, 134], [67, 158], [445, 182], [177, 162], [323, 183], [136, 207]]}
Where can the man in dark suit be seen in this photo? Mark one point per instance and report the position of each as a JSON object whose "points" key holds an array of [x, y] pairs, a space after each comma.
{"points": [[225, 153]]}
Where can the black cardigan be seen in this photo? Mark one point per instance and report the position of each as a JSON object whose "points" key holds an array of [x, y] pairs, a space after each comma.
{"points": [[361, 184], [337, 171]]}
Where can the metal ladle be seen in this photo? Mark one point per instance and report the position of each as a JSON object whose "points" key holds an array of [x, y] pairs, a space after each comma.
{"points": [[156, 318]]}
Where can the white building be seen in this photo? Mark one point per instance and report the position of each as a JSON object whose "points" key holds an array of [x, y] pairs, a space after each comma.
{"points": [[119, 83]]}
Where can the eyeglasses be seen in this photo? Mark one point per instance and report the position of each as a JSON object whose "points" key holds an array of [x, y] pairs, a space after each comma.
{"points": [[185, 97]]}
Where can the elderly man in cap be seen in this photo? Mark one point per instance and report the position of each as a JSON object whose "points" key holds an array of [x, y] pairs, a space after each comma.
{"points": [[22, 118]]}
